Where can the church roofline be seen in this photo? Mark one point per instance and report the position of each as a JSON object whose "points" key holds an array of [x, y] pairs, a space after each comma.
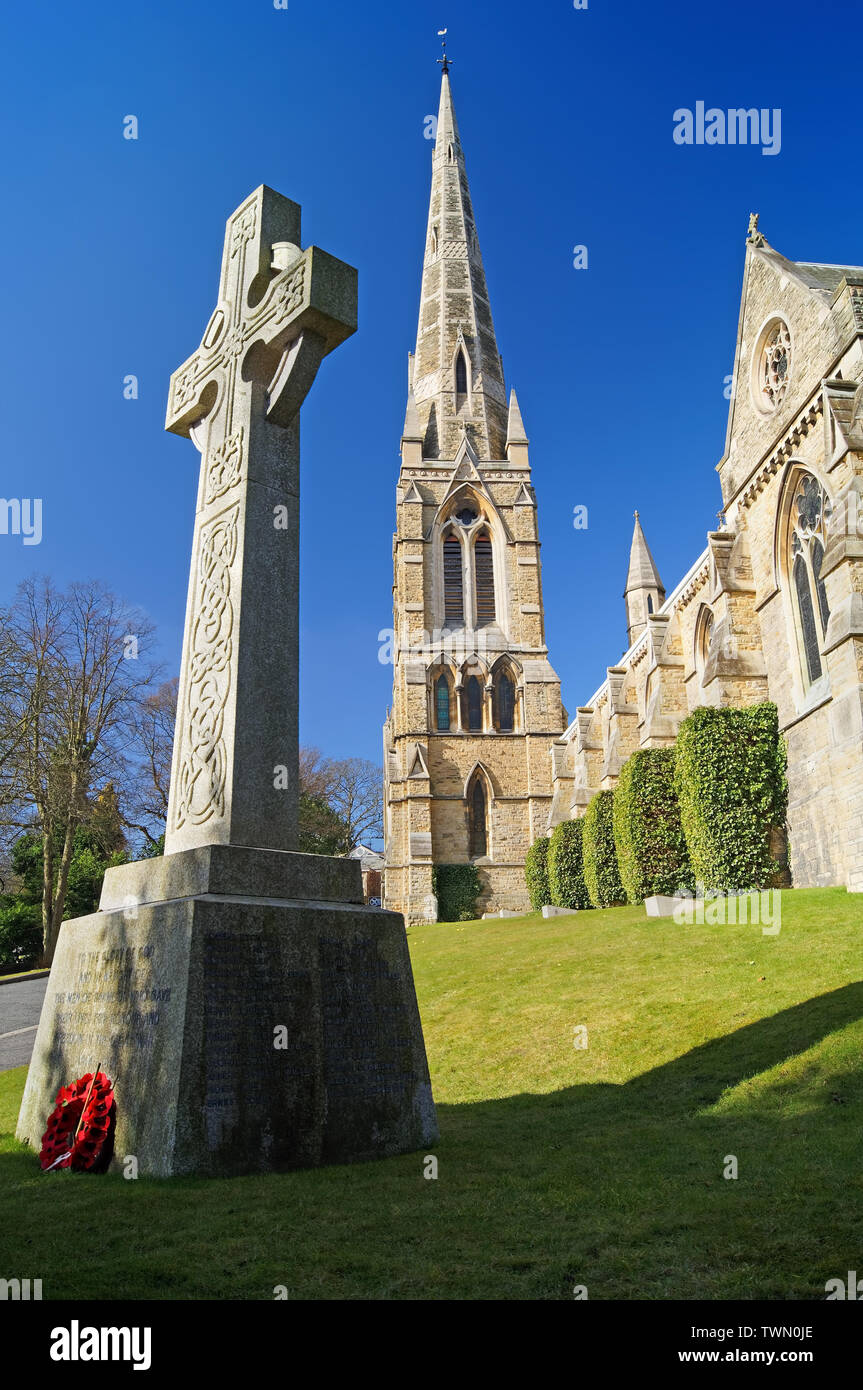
{"points": [[667, 608]]}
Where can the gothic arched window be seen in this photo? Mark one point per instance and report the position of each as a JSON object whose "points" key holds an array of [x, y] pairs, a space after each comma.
{"points": [[484, 570], [460, 374], [806, 619], [453, 592], [477, 817], [505, 703], [473, 701], [810, 511], [442, 704], [703, 634]]}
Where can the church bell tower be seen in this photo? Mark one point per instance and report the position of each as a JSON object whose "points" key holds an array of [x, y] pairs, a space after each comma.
{"points": [[476, 703]]}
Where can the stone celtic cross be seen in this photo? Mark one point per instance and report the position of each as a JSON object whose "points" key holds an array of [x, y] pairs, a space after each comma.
{"points": [[234, 778]]}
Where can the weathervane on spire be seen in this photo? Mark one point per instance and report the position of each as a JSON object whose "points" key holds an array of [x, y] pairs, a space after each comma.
{"points": [[444, 61]]}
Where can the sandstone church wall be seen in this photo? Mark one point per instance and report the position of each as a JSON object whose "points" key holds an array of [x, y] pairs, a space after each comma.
{"points": [[750, 621]]}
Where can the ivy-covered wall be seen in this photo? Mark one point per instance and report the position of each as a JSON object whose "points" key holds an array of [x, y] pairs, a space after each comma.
{"points": [[457, 889], [601, 873], [730, 776], [536, 873], [648, 834], [566, 866]]}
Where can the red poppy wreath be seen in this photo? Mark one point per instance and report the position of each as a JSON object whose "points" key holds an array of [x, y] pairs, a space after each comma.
{"points": [[80, 1133]]}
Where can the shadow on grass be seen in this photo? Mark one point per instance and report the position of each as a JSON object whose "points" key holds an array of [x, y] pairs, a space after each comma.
{"points": [[618, 1187]]}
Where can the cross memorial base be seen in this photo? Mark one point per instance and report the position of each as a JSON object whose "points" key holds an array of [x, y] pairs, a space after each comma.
{"points": [[244, 1031]]}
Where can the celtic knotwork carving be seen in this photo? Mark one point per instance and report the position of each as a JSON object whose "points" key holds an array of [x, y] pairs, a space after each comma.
{"points": [[224, 466], [203, 760], [290, 296], [234, 343], [244, 229], [184, 386]]}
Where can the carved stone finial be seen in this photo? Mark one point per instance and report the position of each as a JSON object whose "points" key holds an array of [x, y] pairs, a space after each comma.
{"points": [[753, 236]]}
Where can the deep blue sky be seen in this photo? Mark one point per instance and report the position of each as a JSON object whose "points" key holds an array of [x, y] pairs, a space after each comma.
{"points": [[111, 255]]}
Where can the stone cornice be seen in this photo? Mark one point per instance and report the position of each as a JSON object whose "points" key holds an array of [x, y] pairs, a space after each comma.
{"points": [[806, 421]]}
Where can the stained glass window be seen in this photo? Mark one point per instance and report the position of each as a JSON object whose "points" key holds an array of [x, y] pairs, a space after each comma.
{"points": [[460, 375], [817, 553], [810, 512], [473, 691], [505, 704], [442, 703], [807, 619], [478, 829]]}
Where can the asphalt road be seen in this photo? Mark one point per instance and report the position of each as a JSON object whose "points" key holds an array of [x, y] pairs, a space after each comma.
{"points": [[20, 1006]]}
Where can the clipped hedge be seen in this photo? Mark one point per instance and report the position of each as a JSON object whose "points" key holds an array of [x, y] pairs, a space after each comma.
{"points": [[731, 783], [536, 873], [601, 874], [648, 836], [457, 889], [566, 866]]}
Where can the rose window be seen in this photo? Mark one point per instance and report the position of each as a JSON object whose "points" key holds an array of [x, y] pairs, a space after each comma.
{"points": [[775, 366]]}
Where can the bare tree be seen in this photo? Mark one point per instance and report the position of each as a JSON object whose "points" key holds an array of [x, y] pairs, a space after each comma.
{"points": [[316, 779], [75, 673], [356, 795], [146, 800]]}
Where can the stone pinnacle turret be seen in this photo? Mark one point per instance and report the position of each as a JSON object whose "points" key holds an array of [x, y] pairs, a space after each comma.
{"points": [[644, 593]]}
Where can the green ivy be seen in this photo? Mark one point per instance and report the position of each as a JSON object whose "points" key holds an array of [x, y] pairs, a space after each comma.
{"points": [[536, 873], [648, 836], [601, 874], [457, 889], [731, 782], [566, 866]]}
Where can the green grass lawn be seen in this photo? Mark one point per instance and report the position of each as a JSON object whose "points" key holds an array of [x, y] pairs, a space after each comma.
{"points": [[558, 1165]]}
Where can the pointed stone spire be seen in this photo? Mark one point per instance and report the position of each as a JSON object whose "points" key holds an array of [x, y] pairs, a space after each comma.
{"points": [[412, 429], [457, 373], [515, 425], [644, 593]]}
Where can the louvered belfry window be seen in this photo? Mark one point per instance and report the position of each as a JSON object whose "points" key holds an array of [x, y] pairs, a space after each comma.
{"points": [[484, 569], [453, 595]]}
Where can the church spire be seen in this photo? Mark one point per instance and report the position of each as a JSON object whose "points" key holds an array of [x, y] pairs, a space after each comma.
{"points": [[458, 374], [644, 592]]}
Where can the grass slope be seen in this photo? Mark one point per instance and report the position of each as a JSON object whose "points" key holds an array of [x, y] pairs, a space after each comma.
{"points": [[557, 1165]]}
